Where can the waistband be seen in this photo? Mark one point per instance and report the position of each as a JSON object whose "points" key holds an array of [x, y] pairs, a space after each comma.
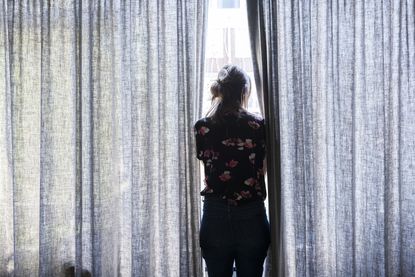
{"points": [[230, 202], [213, 206]]}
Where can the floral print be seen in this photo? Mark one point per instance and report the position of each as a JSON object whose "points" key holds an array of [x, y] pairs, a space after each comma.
{"points": [[252, 158], [250, 182], [209, 153], [232, 152], [232, 142], [203, 130], [239, 143], [232, 163], [225, 176], [246, 194], [253, 124], [248, 144]]}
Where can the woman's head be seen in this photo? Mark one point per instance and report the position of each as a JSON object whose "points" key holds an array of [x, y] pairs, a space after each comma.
{"points": [[230, 91]]}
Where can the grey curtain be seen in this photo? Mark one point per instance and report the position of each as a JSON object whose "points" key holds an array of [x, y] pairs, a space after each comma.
{"points": [[339, 76], [262, 29], [97, 167]]}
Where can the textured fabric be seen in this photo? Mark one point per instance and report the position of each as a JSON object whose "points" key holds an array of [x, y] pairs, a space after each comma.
{"points": [[233, 153], [97, 103], [263, 39], [345, 86]]}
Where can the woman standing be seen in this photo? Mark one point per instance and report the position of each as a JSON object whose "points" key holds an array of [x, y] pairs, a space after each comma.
{"points": [[231, 144]]}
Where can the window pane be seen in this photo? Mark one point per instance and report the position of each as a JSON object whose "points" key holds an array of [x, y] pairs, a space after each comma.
{"points": [[228, 4], [228, 42]]}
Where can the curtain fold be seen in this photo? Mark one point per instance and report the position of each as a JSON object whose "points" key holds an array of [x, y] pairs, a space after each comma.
{"points": [[97, 167], [345, 84], [262, 28]]}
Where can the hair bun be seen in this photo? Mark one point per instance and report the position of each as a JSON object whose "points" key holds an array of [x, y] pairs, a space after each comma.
{"points": [[223, 76]]}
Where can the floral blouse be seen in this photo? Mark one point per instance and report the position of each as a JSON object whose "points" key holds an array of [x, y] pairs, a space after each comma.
{"points": [[232, 153]]}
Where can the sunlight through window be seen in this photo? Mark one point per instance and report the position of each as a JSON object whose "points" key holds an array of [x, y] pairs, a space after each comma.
{"points": [[228, 43]]}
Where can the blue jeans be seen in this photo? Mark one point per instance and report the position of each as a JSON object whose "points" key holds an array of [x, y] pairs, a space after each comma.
{"points": [[234, 233]]}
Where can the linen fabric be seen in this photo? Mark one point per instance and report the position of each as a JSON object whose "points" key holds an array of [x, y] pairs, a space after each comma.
{"points": [[97, 167], [338, 79]]}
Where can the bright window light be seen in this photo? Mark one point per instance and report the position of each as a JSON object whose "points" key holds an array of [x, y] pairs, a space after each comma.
{"points": [[227, 43]]}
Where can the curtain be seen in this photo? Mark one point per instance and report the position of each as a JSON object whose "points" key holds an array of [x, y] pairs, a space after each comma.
{"points": [[97, 167], [339, 76], [263, 41]]}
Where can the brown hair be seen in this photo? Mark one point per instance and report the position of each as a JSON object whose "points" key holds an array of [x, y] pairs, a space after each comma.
{"points": [[230, 92]]}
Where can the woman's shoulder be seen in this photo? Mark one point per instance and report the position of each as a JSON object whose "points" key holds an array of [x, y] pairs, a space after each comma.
{"points": [[256, 117], [202, 126], [202, 121]]}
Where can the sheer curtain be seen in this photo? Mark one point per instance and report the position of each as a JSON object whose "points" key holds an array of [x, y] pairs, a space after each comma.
{"points": [[96, 150], [339, 77]]}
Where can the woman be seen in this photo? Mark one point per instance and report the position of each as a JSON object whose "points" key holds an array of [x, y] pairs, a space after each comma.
{"points": [[231, 144]]}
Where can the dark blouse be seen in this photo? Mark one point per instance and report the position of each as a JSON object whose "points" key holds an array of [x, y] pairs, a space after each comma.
{"points": [[232, 153]]}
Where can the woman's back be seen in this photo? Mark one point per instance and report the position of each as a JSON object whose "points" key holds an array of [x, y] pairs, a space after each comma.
{"points": [[232, 150]]}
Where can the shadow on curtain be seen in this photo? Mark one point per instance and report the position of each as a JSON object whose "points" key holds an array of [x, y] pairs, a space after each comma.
{"points": [[97, 153], [338, 78]]}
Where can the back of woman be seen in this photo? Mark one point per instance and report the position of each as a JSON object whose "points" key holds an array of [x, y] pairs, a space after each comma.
{"points": [[232, 151], [231, 144]]}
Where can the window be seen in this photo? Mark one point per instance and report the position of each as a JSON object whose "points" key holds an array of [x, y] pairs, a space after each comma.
{"points": [[228, 4], [228, 42]]}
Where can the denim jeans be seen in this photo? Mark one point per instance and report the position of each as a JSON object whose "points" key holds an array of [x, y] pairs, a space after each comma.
{"points": [[234, 233]]}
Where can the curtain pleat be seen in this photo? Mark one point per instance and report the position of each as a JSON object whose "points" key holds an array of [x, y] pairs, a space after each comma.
{"points": [[262, 27], [343, 91], [97, 167]]}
